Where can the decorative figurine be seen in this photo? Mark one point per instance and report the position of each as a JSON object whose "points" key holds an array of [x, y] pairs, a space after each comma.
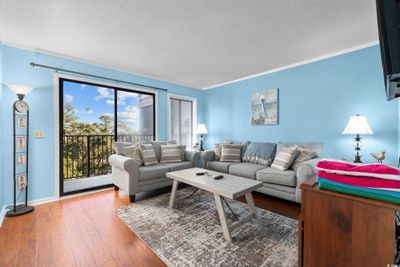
{"points": [[380, 156]]}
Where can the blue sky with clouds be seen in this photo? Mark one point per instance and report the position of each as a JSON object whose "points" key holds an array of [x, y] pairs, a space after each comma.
{"points": [[91, 102]]}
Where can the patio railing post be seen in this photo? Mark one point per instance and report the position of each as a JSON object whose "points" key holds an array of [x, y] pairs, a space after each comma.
{"points": [[88, 155]]}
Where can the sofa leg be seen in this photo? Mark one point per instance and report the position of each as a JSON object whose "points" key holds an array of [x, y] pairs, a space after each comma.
{"points": [[132, 198], [116, 188]]}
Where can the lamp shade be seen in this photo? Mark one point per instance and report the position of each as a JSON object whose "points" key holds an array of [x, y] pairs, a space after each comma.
{"points": [[201, 129], [20, 89], [357, 125]]}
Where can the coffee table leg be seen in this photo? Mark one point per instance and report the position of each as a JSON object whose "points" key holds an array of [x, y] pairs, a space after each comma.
{"points": [[173, 194], [222, 217], [250, 203]]}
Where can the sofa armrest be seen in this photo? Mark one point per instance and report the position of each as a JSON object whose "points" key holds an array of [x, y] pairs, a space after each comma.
{"points": [[206, 156], [305, 171], [123, 163], [192, 156], [125, 173]]}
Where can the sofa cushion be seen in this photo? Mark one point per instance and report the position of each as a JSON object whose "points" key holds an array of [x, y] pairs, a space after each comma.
{"points": [[231, 153], [134, 153], [152, 172], [246, 170], [119, 147], [219, 166], [148, 155], [303, 155], [260, 153], [157, 146], [284, 158], [171, 153], [275, 176], [312, 146], [177, 166]]}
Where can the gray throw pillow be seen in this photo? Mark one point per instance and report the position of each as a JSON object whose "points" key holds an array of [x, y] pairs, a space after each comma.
{"points": [[119, 147], [134, 153], [171, 153], [284, 158], [231, 153], [183, 150], [148, 154], [260, 153], [218, 151], [302, 156]]}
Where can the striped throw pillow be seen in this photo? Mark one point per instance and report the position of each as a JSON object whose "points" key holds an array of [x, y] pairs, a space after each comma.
{"points": [[231, 153], [148, 155], [302, 156], [134, 153], [171, 153], [284, 158]]}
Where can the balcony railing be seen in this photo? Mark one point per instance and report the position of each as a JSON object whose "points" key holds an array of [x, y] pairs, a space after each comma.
{"points": [[87, 155]]}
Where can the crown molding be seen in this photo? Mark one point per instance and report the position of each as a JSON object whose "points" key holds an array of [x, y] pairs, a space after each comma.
{"points": [[84, 61], [297, 64]]}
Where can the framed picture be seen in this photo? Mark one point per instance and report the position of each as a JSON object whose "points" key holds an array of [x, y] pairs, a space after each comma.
{"points": [[264, 107], [20, 142], [21, 181], [21, 159], [21, 122]]}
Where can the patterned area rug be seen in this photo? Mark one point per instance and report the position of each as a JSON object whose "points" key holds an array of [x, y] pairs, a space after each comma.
{"points": [[190, 234]]}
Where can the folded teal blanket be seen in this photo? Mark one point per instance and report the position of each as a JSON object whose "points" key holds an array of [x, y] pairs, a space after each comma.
{"points": [[361, 189]]}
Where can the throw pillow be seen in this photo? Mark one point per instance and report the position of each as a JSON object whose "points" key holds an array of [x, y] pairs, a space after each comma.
{"points": [[230, 153], [260, 153], [148, 154], [134, 153], [171, 153], [119, 147], [302, 156], [284, 158], [183, 150], [218, 151]]}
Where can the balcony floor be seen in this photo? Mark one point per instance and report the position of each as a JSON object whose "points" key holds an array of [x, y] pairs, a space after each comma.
{"points": [[71, 185]]}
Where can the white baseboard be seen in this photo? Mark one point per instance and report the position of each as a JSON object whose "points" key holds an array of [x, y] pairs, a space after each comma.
{"points": [[45, 200]]}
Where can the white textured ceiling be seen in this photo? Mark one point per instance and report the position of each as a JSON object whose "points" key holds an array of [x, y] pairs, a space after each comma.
{"points": [[199, 43]]}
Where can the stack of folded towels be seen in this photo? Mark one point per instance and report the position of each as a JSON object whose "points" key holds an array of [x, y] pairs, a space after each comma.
{"points": [[377, 181]]}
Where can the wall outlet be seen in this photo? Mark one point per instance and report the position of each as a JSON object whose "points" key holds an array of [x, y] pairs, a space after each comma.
{"points": [[38, 134]]}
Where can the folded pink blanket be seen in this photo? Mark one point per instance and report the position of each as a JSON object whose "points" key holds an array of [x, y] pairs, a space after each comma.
{"points": [[362, 181], [376, 170]]}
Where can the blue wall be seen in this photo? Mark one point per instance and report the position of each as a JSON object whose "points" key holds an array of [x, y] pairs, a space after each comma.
{"points": [[16, 69], [315, 103]]}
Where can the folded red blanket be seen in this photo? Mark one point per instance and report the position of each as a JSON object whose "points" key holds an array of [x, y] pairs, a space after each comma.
{"points": [[376, 170], [362, 181]]}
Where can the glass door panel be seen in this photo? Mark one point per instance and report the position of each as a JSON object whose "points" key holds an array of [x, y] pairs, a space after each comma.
{"points": [[135, 117]]}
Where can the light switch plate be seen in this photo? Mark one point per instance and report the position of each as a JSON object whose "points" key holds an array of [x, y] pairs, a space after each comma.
{"points": [[38, 134]]}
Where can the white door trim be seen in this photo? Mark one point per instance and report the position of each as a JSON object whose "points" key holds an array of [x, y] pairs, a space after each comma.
{"points": [[194, 119]]}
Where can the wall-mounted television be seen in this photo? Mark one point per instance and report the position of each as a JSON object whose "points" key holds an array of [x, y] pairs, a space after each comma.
{"points": [[389, 38]]}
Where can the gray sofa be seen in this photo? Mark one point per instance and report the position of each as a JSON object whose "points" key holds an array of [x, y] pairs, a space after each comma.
{"points": [[132, 178], [281, 184]]}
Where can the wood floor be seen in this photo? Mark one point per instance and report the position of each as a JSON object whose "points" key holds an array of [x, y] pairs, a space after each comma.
{"points": [[83, 231]]}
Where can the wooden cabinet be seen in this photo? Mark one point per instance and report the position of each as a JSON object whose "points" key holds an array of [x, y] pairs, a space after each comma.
{"points": [[343, 230]]}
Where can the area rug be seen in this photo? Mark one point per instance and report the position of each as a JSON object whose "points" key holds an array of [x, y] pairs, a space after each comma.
{"points": [[190, 234]]}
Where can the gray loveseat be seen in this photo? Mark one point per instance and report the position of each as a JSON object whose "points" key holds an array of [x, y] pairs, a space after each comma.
{"points": [[132, 178], [281, 184]]}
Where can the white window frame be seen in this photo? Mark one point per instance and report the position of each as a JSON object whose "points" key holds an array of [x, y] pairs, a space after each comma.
{"points": [[194, 115]]}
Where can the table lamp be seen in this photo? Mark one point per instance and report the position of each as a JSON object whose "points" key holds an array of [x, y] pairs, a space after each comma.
{"points": [[202, 130], [357, 125]]}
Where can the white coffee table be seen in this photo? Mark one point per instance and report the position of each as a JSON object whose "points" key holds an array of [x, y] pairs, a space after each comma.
{"points": [[230, 186]]}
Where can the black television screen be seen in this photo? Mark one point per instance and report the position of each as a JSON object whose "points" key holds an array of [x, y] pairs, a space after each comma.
{"points": [[389, 38]]}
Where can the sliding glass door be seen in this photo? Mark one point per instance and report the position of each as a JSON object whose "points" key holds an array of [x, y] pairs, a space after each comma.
{"points": [[181, 121], [93, 117]]}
